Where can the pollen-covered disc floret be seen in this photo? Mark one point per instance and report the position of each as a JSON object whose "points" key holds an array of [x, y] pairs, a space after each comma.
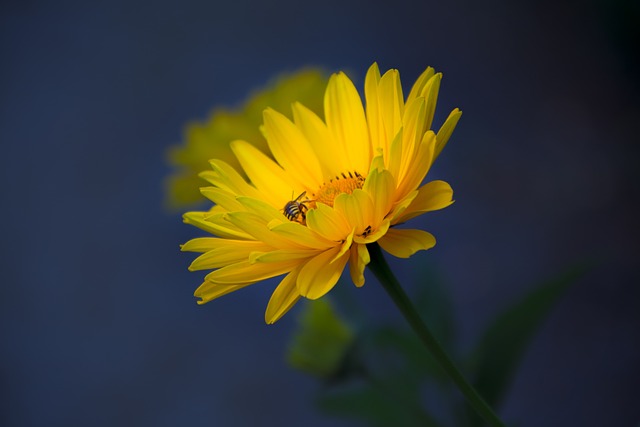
{"points": [[343, 183], [330, 188]]}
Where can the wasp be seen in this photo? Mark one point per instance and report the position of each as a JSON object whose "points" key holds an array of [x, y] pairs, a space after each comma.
{"points": [[296, 210]]}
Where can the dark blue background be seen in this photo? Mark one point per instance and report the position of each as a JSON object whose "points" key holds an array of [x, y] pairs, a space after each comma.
{"points": [[99, 326]]}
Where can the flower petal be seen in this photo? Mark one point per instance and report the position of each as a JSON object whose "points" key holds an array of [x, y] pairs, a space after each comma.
{"points": [[420, 167], [204, 244], [274, 184], [381, 187], [377, 162], [391, 102], [208, 291], [432, 196], [222, 198], [246, 271], [346, 120], [318, 276], [413, 130], [346, 245], [446, 130], [403, 243], [374, 116], [256, 226], [291, 148], [281, 255], [283, 298], [261, 208], [226, 178], [430, 94], [328, 222], [358, 260], [214, 224], [302, 236], [421, 81], [229, 254], [401, 206], [395, 159], [332, 155], [357, 208]]}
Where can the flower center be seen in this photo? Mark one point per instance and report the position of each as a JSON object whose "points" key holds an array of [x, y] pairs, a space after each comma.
{"points": [[345, 183]]}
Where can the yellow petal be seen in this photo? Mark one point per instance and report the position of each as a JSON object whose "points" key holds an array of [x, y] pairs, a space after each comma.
{"points": [[245, 271], [381, 187], [318, 276], [413, 130], [346, 245], [377, 162], [395, 159], [346, 120], [328, 222], [358, 260], [430, 94], [222, 198], [401, 206], [227, 178], [208, 291], [446, 130], [204, 244], [273, 183], [416, 90], [230, 254], [404, 243], [282, 255], [261, 208], [302, 236], [291, 148], [432, 196], [214, 224], [256, 226], [357, 208], [332, 156], [374, 116], [283, 298], [391, 106], [420, 166]]}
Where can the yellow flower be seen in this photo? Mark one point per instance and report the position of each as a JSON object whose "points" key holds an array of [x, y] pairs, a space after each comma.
{"points": [[334, 187], [210, 139]]}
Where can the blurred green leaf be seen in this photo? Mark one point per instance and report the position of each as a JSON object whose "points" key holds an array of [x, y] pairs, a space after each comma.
{"points": [[404, 355], [380, 404], [322, 342], [499, 351]]}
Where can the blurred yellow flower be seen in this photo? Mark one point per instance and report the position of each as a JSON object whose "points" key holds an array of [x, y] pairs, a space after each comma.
{"points": [[210, 139], [334, 187]]}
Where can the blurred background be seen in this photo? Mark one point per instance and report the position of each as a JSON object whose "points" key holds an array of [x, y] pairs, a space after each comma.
{"points": [[98, 323]]}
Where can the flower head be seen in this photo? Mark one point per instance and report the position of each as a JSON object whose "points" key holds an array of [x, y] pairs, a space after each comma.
{"points": [[334, 187]]}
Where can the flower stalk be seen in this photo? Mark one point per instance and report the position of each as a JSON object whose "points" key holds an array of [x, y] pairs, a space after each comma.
{"points": [[383, 273]]}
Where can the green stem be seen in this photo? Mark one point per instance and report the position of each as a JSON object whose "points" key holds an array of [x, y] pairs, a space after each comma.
{"points": [[382, 271]]}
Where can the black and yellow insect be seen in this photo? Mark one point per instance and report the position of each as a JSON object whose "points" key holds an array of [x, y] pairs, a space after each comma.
{"points": [[366, 231], [296, 210]]}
